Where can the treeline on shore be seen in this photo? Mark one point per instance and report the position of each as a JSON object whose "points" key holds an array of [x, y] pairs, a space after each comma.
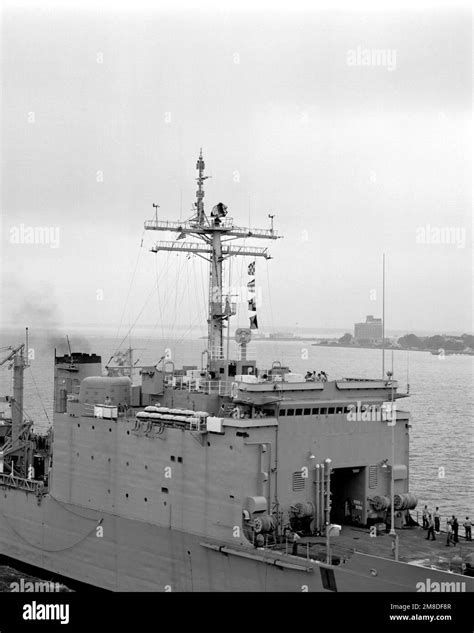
{"points": [[465, 342]]}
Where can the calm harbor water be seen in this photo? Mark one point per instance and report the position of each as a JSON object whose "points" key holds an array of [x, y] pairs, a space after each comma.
{"points": [[441, 399]]}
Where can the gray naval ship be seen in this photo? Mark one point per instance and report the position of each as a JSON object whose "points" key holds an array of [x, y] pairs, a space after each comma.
{"points": [[222, 476]]}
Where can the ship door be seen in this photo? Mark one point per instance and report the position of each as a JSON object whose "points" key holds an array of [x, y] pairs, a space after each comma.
{"points": [[348, 505]]}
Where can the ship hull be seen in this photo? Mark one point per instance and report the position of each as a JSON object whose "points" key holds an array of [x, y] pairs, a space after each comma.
{"points": [[120, 554]]}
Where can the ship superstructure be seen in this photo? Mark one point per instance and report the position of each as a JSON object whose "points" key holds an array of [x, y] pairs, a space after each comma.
{"points": [[221, 476]]}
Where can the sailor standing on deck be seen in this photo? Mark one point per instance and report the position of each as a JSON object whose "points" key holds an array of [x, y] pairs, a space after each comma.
{"points": [[467, 527], [425, 518], [436, 517], [295, 538], [455, 525], [431, 527], [449, 532]]}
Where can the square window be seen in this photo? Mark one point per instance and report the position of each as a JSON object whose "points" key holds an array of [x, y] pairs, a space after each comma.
{"points": [[315, 411], [290, 412], [282, 412], [307, 412], [173, 458], [180, 460], [323, 411], [339, 409], [299, 412], [331, 410]]}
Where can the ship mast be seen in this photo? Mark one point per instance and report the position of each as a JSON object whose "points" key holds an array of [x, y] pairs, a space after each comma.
{"points": [[18, 362], [213, 232]]}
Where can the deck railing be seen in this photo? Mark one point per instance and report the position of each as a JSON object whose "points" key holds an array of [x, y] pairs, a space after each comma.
{"points": [[417, 515], [29, 485], [220, 387]]}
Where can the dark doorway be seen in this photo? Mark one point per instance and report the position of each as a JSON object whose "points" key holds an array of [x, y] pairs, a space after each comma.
{"points": [[348, 504]]}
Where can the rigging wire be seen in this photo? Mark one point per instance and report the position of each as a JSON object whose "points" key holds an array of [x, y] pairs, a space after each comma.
{"points": [[155, 281], [272, 322], [39, 395], [130, 285]]}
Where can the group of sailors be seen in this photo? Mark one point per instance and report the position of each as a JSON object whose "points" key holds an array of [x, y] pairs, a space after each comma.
{"points": [[431, 522], [311, 376]]}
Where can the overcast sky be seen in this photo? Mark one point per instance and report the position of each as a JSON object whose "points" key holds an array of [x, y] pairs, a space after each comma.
{"points": [[105, 107]]}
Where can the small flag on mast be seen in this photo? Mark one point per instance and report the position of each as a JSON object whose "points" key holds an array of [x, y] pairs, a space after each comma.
{"points": [[251, 299]]}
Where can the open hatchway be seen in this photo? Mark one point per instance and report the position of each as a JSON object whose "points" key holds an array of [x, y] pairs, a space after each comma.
{"points": [[348, 496]]}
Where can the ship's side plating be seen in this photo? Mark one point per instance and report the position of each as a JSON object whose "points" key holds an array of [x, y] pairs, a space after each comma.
{"points": [[133, 511]]}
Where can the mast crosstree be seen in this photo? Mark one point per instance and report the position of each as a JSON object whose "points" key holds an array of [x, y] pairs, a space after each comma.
{"points": [[211, 231]]}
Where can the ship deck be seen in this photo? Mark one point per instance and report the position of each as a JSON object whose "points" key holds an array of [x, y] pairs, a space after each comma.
{"points": [[413, 546]]}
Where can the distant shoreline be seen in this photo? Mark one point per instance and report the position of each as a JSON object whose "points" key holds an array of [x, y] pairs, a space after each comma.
{"points": [[435, 352]]}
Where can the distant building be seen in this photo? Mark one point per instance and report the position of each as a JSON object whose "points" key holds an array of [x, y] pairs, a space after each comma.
{"points": [[368, 332]]}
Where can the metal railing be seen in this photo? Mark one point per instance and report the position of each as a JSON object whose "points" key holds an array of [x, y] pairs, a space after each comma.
{"points": [[194, 227], [198, 247], [29, 485], [417, 515], [220, 387]]}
